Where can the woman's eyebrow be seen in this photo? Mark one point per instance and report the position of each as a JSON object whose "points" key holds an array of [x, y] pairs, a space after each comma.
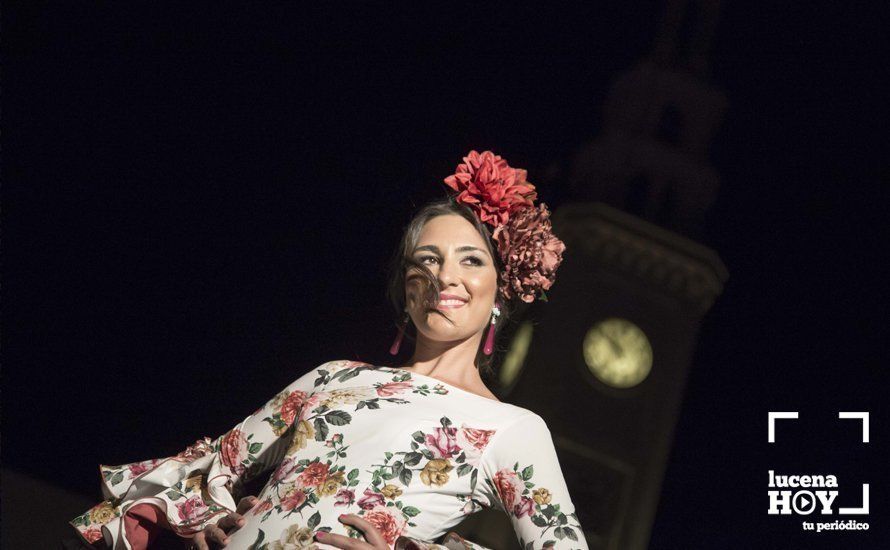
{"points": [[435, 248]]}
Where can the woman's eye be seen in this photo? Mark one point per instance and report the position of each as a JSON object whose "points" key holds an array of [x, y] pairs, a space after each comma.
{"points": [[472, 259]]}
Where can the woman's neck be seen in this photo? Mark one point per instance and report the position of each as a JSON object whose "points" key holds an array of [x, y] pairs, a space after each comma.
{"points": [[454, 363]]}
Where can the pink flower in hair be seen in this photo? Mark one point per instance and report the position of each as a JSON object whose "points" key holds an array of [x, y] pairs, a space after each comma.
{"points": [[491, 188], [530, 252]]}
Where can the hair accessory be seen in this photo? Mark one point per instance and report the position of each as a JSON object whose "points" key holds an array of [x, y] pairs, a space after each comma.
{"points": [[394, 349], [501, 197], [489, 339]]}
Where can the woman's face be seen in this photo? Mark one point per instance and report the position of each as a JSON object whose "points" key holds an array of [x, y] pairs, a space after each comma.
{"points": [[456, 254]]}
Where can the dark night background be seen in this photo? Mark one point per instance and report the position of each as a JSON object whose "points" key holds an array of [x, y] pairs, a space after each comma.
{"points": [[198, 206]]}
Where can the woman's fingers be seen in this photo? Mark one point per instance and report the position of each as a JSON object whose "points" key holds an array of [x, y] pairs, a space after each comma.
{"points": [[215, 534], [199, 542], [231, 521], [246, 504], [340, 541], [372, 535]]}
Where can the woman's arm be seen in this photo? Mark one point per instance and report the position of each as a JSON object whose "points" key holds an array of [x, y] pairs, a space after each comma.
{"points": [[520, 474], [199, 485]]}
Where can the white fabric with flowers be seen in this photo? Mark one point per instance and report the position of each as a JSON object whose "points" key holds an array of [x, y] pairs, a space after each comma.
{"points": [[410, 454]]}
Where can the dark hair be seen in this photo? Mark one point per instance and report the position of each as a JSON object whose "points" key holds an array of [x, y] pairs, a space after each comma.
{"points": [[403, 260]]}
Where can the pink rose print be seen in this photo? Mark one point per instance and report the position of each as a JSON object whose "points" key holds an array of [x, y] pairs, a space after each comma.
{"points": [[198, 449], [284, 471], [313, 401], [292, 405], [314, 474], [388, 524], [192, 509], [233, 450], [293, 499], [478, 439], [345, 497], [442, 443], [509, 487], [393, 388], [370, 500], [261, 507], [473, 442], [525, 507], [92, 534], [140, 468]]}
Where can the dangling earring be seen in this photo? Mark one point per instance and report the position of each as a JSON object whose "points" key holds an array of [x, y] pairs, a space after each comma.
{"points": [[394, 349], [489, 340]]}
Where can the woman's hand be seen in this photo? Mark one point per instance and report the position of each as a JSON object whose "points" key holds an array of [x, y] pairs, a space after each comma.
{"points": [[372, 535], [219, 533]]}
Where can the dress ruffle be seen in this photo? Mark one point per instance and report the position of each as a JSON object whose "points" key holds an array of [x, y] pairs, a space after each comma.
{"points": [[192, 489]]}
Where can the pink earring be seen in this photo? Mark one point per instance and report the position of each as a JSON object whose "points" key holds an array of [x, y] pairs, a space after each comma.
{"points": [[394, 349], [489, 340]]}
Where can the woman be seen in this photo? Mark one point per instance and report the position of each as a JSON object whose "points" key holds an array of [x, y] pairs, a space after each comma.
{"points": [[394, 455]]}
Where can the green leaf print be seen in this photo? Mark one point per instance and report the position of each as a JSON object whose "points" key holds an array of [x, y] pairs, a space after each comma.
{"points": [[473, 477], [346, 374], [117, 478], [405, 476], [410, 511], [411, 459], [528, 472], [417, 436], [259, 538], [255, 447], [314, 520], [352, 474], [321, 429], [540, 522], [338, 418], [278, 425], [570, 533], [463, 470]]}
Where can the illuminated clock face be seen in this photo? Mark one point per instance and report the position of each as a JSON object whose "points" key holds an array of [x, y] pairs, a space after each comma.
{"points": [[618, 353]]}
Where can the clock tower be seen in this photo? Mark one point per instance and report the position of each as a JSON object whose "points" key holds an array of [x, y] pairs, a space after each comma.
{"points": [[605, 361]]}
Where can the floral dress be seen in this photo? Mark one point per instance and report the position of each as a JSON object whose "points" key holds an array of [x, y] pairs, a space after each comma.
{"points": [[411, 454]]}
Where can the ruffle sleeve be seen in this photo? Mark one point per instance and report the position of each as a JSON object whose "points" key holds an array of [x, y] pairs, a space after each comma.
{"points": [[199, 485]]}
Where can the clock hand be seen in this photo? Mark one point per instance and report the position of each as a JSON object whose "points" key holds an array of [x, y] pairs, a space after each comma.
{"points": [[615, 346]]}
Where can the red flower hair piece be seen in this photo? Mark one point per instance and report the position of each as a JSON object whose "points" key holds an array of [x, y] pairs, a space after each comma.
{"points": [[491, 187], [500, 196]]}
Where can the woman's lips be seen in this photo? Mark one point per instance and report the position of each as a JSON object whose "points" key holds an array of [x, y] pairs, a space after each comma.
{"points": [[450, 304]]}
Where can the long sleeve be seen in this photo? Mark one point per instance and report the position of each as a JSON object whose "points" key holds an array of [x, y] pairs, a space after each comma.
{"points": [[199, 485], [520, 474]]}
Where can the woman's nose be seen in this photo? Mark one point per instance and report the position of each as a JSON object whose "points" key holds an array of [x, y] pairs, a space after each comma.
{"points": [[447, 274]]}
